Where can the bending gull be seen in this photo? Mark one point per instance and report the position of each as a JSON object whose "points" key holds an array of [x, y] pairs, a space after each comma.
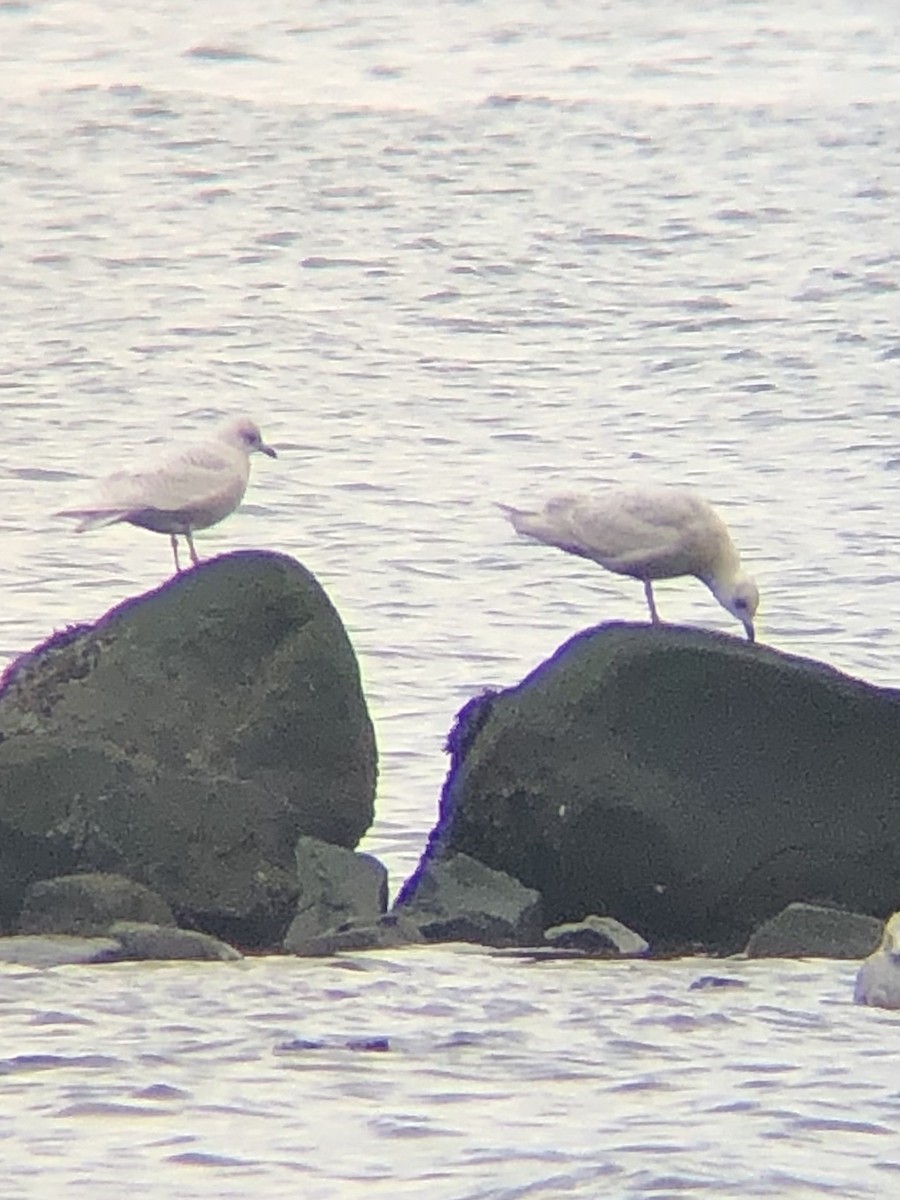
{"points": [[647, 533], [878, 981], [192, 489]]}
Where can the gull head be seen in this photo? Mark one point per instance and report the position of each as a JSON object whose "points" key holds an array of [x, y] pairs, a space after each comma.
{"points": [[740, 596], [245, 435]]}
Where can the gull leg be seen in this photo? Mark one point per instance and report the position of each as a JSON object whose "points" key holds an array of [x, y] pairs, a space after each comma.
{"points": [[174, 541], [190, 542], [651, 603]]}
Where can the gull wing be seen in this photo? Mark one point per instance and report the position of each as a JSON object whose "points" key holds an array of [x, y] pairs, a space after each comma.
{"points": [[649, 533], [196, 482]]}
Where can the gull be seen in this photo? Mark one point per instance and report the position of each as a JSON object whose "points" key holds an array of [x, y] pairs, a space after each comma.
{"points": [[193, 488], [878, 980], [647, 533]]}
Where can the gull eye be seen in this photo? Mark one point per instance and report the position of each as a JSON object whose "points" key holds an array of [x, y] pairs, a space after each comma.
{"points": [[740, 602]]}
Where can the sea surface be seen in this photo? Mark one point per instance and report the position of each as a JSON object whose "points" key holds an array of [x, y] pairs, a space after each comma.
{"points": [[449, 254], [446, 1074]]}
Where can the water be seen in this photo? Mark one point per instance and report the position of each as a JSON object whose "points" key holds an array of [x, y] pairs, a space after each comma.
{"points": [[446, 1074], [448, 254]]}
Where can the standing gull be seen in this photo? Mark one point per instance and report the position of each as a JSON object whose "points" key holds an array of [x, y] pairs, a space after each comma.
{"points": [[192, 489], [647, 533]]}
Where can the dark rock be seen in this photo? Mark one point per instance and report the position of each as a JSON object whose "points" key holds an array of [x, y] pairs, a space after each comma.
{"points": [[814, 931], [86, 905], [186, 741], [301, 1045], [377, 1045], [599, 937], [458, 899], [689, 782], [57, 950], [702, 982], [140, 941], [371, 1045], [389, 932], [336, 886]]}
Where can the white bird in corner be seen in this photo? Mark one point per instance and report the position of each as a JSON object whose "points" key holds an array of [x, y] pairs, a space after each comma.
{"points": [[647, 533], [878, 980], [191, 489]]}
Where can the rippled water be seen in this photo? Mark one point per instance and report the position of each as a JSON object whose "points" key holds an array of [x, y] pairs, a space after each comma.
{"points": [[447, 254], [448, 1075]]}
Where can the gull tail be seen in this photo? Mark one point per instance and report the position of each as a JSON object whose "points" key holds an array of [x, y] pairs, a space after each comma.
{"points": [[94, 518]]}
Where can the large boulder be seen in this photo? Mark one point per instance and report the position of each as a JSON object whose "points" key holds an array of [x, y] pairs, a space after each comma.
{"points": [[186, 740], [688, 783]]}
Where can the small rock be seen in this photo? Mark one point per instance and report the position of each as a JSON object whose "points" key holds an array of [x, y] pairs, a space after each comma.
{"points": [[88, 904], [142, 941], [716, 981], [387, 933], [815, 931], [337, 886], [299, 1045], [599, 937], [458, 899]]}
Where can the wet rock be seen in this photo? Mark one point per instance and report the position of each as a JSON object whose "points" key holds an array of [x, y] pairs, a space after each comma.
{"points": [[389, 932], [458, 899], [371, 1045], [336, 886], [87, 905], [186, 741], [704, 982], [815, 931], [599, 937], [689, 782], [57, 950], [140, 941]]}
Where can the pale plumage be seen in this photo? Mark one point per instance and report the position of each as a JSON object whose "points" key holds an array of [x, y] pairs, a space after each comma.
{"points": [[647, 533], [190, 489], [878, 980]]}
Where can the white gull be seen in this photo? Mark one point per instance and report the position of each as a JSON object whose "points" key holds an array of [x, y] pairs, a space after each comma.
{"points": [[647, 533], [191, 489], [878, 980]]}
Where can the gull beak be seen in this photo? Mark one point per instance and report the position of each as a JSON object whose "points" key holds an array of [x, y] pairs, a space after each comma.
{"points": [[267, 450], [751, 632]]}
